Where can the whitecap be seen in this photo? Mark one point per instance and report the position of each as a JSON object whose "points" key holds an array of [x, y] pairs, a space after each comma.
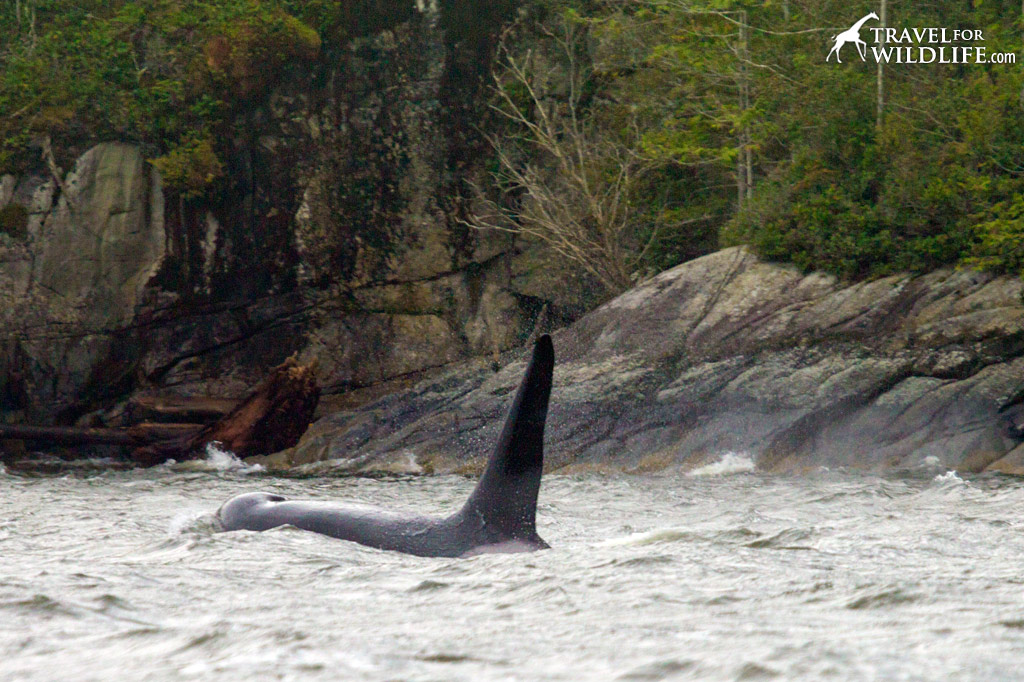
{"points": [[730, 463], [225, 460], [949, 478], [220, 459], [649, 537], [195, 521]]}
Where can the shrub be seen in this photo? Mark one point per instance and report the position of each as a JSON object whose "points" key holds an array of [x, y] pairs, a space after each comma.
{"points": [[150, 72], [191, 167], [246, 55], [1000, 239]]}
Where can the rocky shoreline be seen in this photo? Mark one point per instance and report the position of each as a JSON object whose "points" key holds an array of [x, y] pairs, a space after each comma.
{"points": [[730, 354]]}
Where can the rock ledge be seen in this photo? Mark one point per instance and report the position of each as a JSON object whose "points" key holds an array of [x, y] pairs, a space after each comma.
{"points": [[730, 354]]}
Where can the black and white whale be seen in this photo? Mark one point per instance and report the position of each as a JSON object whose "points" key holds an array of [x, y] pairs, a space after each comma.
{"points": [[500, 515]]}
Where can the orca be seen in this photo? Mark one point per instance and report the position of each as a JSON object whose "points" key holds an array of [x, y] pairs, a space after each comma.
{"points": [[499, 516]]}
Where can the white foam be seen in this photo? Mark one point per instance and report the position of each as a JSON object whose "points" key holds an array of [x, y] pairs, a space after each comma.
{"points": [[949, 478], [932, 462], [219, 459], [190, 521], [730, 463], [405, 464], [648, 538]]}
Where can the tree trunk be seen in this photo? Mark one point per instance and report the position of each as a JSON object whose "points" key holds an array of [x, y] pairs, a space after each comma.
{"points": [[880, 81], [743, 171], [748, 152]]}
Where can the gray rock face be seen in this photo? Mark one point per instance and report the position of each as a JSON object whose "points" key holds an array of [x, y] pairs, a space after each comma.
{"points": [[105, 240], [82, 271], [728, 354]]}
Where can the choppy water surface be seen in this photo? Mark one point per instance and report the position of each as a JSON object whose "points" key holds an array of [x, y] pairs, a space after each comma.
{"points": [[730, 575]]}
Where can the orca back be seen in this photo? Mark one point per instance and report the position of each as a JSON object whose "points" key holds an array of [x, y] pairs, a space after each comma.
{"points": [[500, 515]]}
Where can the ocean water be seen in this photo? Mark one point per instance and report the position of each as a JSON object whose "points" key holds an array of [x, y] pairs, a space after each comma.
{"points": [[723, 574]]}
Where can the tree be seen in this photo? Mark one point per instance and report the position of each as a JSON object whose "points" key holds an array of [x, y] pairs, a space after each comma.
{"points": [[565, 179]]}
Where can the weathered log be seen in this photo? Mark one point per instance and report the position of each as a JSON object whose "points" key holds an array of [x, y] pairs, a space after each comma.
{"points": [[271, 418], [133, 436], [179, 409], [66, 435]]}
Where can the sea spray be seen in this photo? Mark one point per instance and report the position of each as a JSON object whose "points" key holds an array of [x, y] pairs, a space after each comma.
{"points": [[730, 463], [220, 459]]}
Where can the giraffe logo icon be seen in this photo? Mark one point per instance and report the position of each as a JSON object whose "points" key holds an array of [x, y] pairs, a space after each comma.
{"points": [[851, 35]]}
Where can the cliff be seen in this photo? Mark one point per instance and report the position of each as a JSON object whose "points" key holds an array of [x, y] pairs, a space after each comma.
{"points": [[339, 234], [730, 354]]}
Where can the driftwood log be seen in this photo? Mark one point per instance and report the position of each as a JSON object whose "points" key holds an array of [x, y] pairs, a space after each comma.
{"points": [[271, 418], [178, 410], [133, 436]]}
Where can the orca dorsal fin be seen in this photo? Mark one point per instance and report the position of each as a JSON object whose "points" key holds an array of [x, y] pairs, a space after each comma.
{"points": [[506, 495]]}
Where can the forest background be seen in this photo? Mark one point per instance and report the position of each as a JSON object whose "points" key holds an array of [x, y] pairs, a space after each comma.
{"points": [[632, 135]]}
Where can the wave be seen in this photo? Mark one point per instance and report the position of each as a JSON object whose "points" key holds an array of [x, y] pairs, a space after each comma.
{"points": [[730, 463], [198, 522], [651, 537], [950, 478], [218, 459]]}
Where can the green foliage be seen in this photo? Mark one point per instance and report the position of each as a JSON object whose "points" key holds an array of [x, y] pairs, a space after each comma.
{"points": [[758, 139], [741, 131], [191, 167], [156, 72], [863, 201], [247, 53], [857, 199], [1000, 245]]}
